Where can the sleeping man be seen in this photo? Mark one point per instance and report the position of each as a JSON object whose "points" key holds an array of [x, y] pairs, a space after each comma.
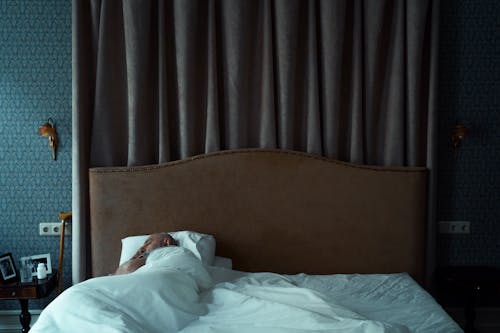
{"points": [[161, 294], [139, 258]]}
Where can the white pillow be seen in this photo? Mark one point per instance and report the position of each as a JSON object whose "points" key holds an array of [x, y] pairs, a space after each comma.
{"points": [[202, 245], [223, 262]]}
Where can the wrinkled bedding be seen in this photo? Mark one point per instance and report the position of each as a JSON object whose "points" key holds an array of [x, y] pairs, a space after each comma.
{"points": [[161, 296], [271, 303], [174, 292]]}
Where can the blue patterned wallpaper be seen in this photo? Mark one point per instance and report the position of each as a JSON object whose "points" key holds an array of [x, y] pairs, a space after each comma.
{"points": [[35, 83], [469, 90]]}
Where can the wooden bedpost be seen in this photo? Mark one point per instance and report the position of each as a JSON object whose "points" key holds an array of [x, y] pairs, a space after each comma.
{"points": [[63, 217]]}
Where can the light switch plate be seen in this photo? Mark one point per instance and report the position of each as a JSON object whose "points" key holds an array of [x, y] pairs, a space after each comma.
{"points": [[454, 227]]}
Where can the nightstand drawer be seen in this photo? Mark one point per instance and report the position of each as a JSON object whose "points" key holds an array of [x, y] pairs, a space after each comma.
{"points": [[468, 287], [16, 293], [459, 286], [23, 292]]}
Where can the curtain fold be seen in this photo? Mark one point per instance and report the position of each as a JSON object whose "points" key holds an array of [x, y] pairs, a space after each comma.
{"points": [[155, 81]]}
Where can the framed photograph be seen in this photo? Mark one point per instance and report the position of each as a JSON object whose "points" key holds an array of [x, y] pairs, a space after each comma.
{"points": [[33, 261], [7, 268]]}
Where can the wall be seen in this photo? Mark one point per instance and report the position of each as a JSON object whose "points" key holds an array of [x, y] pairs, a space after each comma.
{"points": [[35, 83], [469, 89]]}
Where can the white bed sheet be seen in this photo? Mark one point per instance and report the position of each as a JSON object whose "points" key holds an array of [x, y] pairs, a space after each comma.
{"points": [[394, 298], [172, 297], [273, 303], [391, 298]]}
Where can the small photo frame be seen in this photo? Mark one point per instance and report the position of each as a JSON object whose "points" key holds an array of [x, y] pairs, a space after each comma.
{"points": [[36, 259], [8, 271]]}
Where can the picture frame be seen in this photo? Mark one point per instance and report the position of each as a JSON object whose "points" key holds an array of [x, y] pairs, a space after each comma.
{"points": [[36, 259], [8, 272]]}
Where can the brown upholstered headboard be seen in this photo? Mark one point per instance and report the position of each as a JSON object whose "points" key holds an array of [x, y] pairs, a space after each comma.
{"points": [[269, 210]]}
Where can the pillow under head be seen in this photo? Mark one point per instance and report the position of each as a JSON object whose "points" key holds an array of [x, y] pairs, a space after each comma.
{"points": [[202, 245]]}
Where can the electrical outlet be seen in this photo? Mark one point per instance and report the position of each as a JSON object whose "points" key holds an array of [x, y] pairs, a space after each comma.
{"points": [[454, 227], [53, 229]]}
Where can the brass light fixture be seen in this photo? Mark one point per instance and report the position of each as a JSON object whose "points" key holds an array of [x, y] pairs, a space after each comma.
{"points": [[457, 135], [48, 129]]}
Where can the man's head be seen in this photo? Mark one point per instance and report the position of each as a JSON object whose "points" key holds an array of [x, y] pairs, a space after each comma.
{"points": [[155, 241]]}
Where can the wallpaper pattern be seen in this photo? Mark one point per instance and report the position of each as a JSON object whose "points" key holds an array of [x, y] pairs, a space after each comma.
{"points": [[35, 83], [469, 89]]}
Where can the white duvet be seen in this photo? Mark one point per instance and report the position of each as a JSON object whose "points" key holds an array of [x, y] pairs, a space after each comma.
{"points": [[268, 302], [161, 296], [173, 292]]}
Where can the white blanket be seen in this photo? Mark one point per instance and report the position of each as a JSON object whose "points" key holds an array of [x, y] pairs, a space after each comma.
{"points": [[161, 296], [173, 293], [269, 302]]}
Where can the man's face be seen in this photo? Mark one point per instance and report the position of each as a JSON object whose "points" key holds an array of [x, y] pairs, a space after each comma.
{"points": [[155, 241]]}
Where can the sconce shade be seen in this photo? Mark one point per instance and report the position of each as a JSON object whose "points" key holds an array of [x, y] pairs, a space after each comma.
{"points": [[48, 130], [457, 135]]}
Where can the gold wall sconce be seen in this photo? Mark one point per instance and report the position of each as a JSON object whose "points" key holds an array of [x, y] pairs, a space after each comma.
{"points": [[48, 129], [457, 135]]}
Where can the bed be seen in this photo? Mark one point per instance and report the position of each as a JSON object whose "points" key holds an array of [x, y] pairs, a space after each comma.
{"points": [[316, 245]]}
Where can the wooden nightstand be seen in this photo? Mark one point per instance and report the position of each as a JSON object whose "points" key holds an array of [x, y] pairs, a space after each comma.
{"points": [[26, 291], [468, 287]]}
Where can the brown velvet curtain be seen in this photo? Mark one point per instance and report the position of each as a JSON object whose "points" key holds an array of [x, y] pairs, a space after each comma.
{"points": [[155, 81]]}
